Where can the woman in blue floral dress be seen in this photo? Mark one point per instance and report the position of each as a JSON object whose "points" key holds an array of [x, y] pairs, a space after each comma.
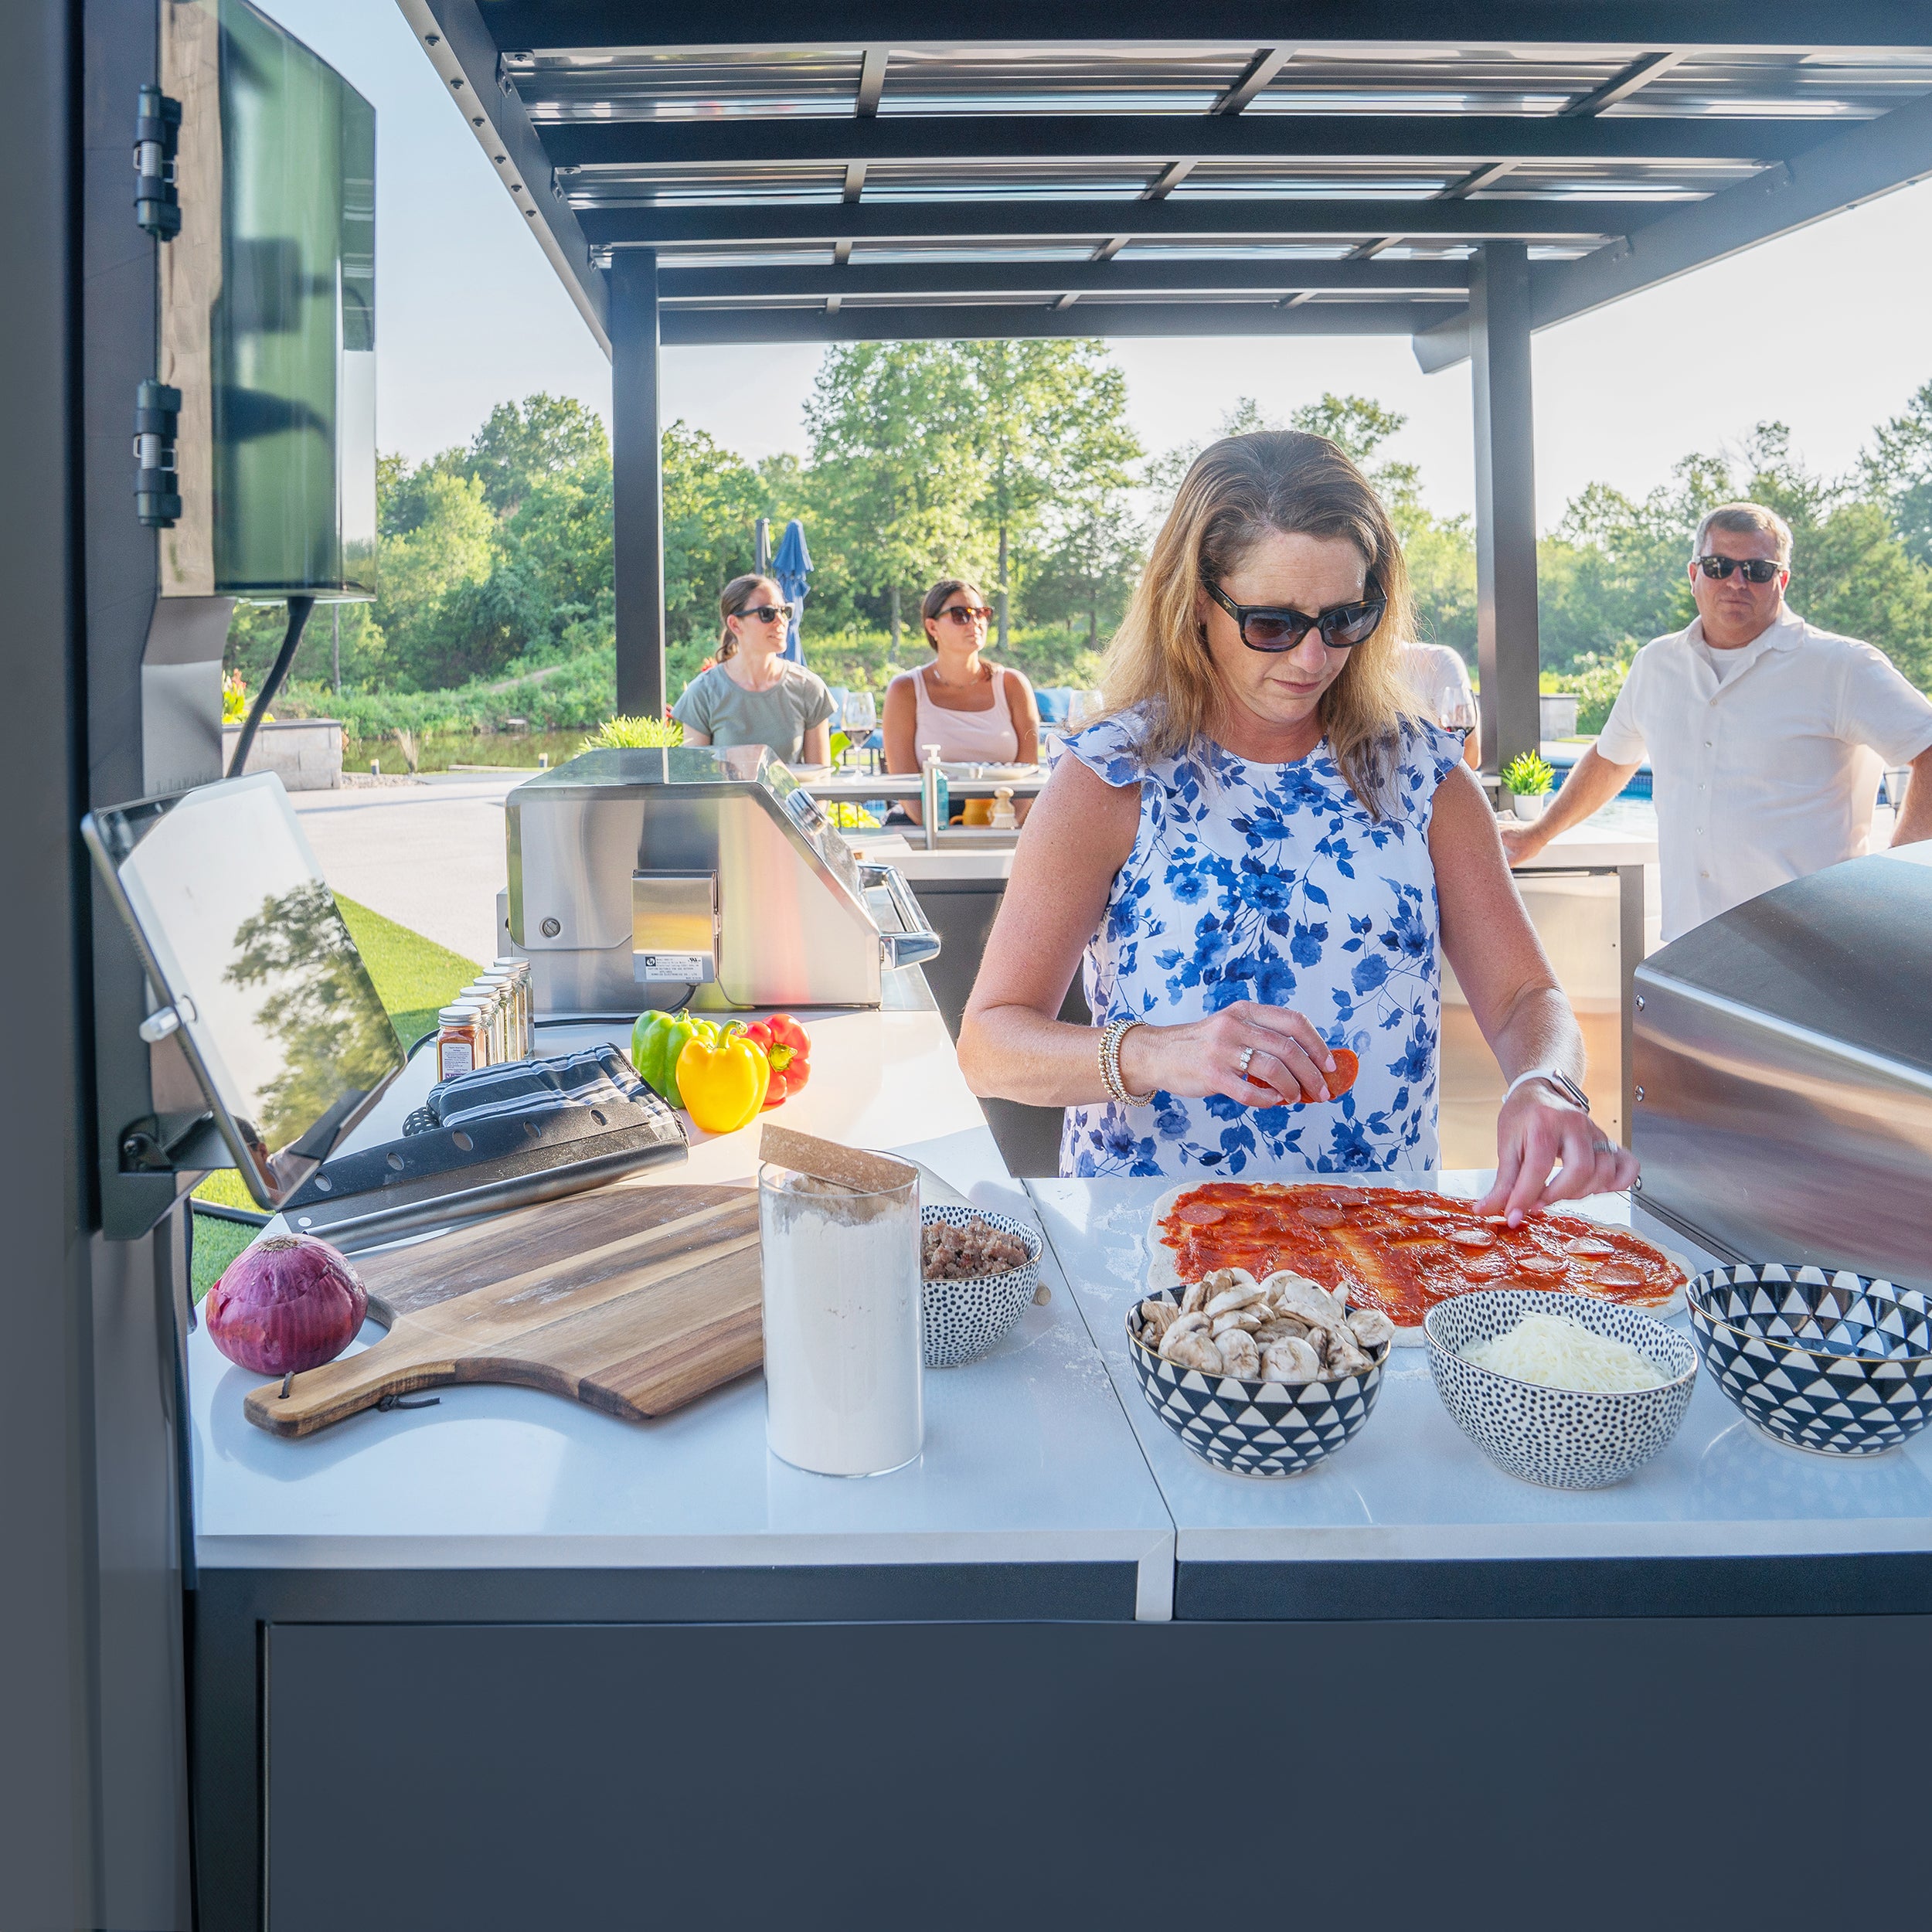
{"points": [[1260, 854]]}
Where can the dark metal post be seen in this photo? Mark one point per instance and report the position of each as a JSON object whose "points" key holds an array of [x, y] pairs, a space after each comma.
{"points": [[1506, 641], [637, 480]]}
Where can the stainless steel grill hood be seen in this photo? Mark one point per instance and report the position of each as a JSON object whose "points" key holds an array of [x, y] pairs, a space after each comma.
{"points": [[1784, 1072], [651, 878]]}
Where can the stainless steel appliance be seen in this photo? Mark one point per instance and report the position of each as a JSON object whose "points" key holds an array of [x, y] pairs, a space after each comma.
{"points": [[651, 878], [1784, 1073]]}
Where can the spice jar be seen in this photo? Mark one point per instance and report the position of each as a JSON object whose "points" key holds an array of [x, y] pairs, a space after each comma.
{"points": [[461, 1041], [495, 988], [522, 1017]]}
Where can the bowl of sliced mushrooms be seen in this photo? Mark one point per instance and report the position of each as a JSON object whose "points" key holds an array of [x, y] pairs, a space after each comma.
{"points": [[1262, 1378]]}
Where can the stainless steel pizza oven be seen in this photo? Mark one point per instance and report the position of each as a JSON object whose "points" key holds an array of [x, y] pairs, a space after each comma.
{"points": [[653, 879], [1784, 1072]]}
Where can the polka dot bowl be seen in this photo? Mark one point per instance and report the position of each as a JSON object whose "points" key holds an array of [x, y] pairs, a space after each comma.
{"points": [[1837, 1362], [1562, 1438], [965, 1318], [1250, 1427]]}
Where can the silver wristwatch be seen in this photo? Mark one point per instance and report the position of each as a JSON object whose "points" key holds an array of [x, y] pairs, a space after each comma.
{"points": [[1557, 1078]]}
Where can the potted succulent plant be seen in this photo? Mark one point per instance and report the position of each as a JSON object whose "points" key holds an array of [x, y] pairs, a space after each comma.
{"points": [[1529, 777]]}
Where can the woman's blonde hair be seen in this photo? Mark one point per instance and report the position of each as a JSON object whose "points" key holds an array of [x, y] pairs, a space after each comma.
{"points": [[731, 604], [1240, 490]]}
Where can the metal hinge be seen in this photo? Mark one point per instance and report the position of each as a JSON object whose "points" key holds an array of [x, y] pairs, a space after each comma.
{"points": [[157, 490], [156, 134]]}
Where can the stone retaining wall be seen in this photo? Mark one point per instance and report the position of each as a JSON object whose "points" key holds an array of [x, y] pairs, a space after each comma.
{"points": [[305, 753]]}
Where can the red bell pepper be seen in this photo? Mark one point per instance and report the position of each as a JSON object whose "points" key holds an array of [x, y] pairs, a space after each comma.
{"points": [[787, 1046]]}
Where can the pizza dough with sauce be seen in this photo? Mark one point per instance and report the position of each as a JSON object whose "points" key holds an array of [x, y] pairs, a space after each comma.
{"points": [[1402, 1250]]}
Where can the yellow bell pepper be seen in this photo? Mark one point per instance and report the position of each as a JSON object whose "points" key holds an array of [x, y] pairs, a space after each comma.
{"points": [[723, 1085]]}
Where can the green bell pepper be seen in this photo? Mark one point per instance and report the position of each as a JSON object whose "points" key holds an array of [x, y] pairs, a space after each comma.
{"points": [[656, 1041]]}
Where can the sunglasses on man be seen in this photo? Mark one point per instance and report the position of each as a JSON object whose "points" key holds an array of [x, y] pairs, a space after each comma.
{"points": [[764, 613], [1267, 626], [1757, 569], [968, 613]]}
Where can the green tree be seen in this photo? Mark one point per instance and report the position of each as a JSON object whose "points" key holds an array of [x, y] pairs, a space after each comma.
{"points": [[1897, 472], [898, 475], [543, 438], [712, 499], [1050, 419]]}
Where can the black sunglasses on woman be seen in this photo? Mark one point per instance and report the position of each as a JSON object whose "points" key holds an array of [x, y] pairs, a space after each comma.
{"points": [[1269, 627], [764, 613]]}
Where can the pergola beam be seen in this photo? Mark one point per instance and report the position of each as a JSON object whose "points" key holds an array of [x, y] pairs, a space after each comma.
{"points": [[659, 226], [1796, 26], [911, 280], [1620, 86], [1859, 164], [1259, 72], [976, 322], [1459, 142]]}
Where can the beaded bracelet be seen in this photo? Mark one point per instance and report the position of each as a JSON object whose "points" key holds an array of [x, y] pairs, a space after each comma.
{"points": [[1111, 1035]]}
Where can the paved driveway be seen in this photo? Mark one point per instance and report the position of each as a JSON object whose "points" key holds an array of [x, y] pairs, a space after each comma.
{"points": [[428, 855]]}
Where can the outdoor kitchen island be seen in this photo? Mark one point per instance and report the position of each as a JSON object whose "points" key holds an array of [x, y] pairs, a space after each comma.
{"points": [[509, 1614]]}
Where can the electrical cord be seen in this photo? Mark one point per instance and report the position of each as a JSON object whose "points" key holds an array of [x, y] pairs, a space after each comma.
{"points": [[298, 610]]}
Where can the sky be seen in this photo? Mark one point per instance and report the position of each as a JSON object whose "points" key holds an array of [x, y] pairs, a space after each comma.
{"points": [[1825, 330]]}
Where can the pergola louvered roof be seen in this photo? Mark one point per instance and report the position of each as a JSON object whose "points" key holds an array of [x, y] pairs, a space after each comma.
{"points": [[1334, 176]]}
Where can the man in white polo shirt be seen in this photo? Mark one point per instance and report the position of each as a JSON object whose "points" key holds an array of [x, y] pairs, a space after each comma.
{"points": [[1766, 736]]}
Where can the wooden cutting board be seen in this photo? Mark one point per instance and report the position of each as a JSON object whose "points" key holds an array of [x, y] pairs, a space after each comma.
{"points": [[635, 1300]]}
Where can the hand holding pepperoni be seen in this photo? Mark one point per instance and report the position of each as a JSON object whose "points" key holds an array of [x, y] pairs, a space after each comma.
{"points": [[1260, 1055], [1347, 1066], [1537, 1129]]}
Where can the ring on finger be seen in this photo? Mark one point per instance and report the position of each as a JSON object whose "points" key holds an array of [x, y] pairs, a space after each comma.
{"points": [[1601, 1147], [1247, 1055]]}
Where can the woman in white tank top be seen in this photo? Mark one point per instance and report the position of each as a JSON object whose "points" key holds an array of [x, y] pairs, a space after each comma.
{"points": [[976, 712]]}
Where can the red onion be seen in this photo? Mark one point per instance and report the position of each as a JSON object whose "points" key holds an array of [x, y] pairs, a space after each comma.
{"points": [[287, 1302]]}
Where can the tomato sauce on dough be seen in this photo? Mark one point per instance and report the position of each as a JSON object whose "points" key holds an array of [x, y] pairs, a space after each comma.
{"points": [[1402, 1250]]}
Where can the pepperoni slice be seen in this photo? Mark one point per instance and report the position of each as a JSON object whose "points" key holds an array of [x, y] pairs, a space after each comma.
{"points": [[1472, 1237], [1323, 1217], [1349, 1197], [1617, 1274], [1200, 1214], [1347, 1067], [1545, 1265], [1587, 1247]]}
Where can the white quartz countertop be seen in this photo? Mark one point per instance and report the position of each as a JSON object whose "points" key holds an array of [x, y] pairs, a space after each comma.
{"points": [[1411, 1486], [1045, 1451], [1029, 1457]]}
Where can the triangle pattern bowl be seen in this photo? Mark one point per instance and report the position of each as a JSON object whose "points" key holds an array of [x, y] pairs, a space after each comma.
{"points": [[1835, 1362], [1253, 1428]]}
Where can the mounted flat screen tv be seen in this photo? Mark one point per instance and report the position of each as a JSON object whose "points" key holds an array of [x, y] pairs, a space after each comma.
{"points": [[268, 313]]}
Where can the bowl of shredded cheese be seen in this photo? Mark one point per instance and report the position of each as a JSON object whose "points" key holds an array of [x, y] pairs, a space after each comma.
{"points": [[1561, 1389]]}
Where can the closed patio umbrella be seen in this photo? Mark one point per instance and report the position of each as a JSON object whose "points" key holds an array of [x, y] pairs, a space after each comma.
{"points": [[791, 566]]}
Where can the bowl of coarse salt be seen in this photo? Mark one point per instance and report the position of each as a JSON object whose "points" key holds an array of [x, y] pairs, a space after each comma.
{"points": [[1560, 1390]]}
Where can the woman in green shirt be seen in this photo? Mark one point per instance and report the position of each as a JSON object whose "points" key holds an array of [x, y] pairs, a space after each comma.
{"points": [[752, 696]]}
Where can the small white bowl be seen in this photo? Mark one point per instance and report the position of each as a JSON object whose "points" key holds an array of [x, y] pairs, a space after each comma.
{"points": [[964, 1318], [1562, 1438]]}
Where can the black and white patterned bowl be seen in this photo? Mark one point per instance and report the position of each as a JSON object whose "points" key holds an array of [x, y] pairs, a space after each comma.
{"points": [[1836, 1363], [964, 1318], [1253, 1428], [1562, 1438]]}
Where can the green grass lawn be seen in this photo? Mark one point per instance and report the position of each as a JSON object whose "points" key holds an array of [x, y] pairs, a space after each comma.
{"points": [[413, 977]]}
